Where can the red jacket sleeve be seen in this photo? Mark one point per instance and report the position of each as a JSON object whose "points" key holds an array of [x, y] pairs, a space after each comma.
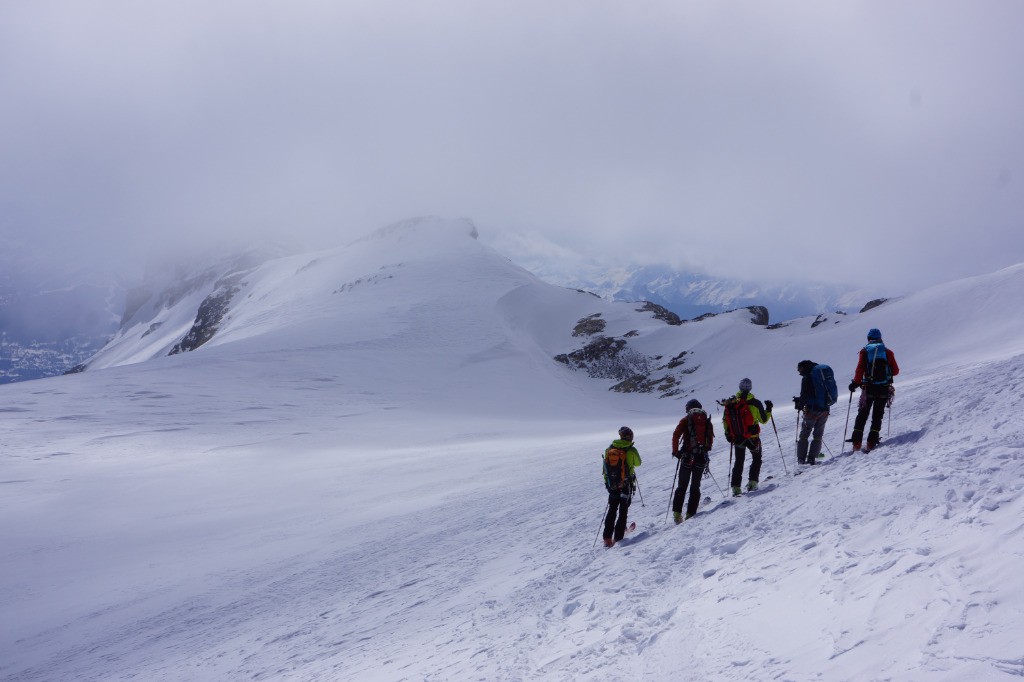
{"points": [[862, 362], [677, 434], [893, 367]]}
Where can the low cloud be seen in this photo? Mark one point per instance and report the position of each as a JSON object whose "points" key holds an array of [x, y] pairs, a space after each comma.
{"points": [[838, 142]]}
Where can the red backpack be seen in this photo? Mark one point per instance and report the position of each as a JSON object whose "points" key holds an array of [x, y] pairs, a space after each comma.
{"points": [[739, 420], [699, 430]]}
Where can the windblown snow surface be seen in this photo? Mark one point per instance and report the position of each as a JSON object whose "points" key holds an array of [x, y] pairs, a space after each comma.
{"points": [[376, 471]]}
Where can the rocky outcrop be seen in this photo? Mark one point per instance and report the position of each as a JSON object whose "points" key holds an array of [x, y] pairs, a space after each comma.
{"points": [[873, 304], [589, 325], [660, 313], [211, 312], [606, 357], [758, 315]]}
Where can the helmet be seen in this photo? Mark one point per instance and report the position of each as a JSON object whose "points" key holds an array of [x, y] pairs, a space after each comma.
{"points": [[626, 433], [746, 385], [874, 335], [693, 405]]}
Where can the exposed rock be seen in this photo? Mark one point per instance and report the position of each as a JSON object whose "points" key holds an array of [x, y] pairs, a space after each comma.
{"points": [[612, 358], [211, 312], [603, 357], [759, 315], [660, 313], [873, 304], [590, 325], [667, 385], [677, 361]]}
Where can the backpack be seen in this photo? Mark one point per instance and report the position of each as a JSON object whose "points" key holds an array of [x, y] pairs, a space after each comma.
{"points": [[877, 366], [826, 393], [699, 430], [739, 420], [616, 471]]}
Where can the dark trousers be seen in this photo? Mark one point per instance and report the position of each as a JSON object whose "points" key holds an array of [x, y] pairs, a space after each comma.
{"points": [[813, 426], [618, 504], [873, 398], [689, 476], [740, 448]]}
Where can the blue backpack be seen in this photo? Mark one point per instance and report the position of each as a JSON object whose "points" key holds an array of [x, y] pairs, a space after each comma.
{"points": [[826, 393], [877, 367]]}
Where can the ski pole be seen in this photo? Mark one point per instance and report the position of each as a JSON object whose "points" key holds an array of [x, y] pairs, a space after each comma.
{"points": [[846, 428], [679, 461], [777, 440], [601, 527], [637, 484], [888, 426], [797, 439], [708, 469]]}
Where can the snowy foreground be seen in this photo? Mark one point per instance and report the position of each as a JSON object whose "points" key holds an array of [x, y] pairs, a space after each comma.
{"points": [[284, 507]]}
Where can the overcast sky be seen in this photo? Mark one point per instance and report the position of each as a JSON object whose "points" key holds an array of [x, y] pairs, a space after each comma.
{"points": [[831, 140]]}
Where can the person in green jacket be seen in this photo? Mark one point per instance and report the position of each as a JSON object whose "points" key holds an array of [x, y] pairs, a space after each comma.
{"points": [[618, 465], [742, 419]]}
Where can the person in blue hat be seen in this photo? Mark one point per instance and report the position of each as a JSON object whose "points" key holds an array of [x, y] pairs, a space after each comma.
{"points": [[876, 366]]}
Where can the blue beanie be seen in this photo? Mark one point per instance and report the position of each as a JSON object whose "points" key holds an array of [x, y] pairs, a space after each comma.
{"points": [[874, 335]]}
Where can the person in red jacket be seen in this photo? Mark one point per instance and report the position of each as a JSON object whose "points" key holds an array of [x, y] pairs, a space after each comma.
{"points": [[876, 366], [691, 442]]}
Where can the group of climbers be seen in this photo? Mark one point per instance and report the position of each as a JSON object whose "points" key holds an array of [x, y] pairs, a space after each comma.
{"points": [[743, 415]]}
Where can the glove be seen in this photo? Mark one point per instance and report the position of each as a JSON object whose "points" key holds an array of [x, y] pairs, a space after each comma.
{"points": [[675, 453], [797, 404], [853, 386], [768, 405]]}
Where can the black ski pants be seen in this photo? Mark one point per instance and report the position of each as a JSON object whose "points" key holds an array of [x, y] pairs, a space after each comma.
{"points": [[754, 445], [873, 398], [618, 505], [690, 474]]}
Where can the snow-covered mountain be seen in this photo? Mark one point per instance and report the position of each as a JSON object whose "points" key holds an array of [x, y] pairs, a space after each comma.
{"points": [[50, 322], [688, 293], [374, 468]]}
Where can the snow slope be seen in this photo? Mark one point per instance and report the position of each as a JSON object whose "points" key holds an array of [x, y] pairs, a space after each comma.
{"points": [[396, 482]]}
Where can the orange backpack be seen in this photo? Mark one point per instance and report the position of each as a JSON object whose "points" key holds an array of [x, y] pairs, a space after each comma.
{"points": [[616, 471]]}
